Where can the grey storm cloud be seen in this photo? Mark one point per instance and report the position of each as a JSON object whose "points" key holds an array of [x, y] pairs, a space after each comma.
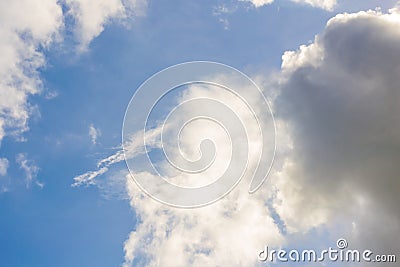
{"points": [[340, 98]]}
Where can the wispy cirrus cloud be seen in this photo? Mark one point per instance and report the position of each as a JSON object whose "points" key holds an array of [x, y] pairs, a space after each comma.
{"points": [[3, 166], [323, 4], [94, 134], [30, 169], [224, 10], [259, 3]]}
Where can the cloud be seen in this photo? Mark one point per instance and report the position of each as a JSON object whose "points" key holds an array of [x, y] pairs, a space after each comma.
{"points": [[26, 28], [3, 166], [339, 101], [259, 3], [336, 103], [88, 177], [238, 219], [337, 167], [29, 167], [229, 232], [94, 133], [323, 4], [133, 148], [92, 16], [221, 12]]}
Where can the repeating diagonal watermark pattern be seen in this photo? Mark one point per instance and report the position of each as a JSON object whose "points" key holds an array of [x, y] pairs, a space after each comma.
{"points": [[161, 124]]}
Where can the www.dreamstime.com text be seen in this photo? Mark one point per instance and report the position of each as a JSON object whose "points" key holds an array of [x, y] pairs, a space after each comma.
{"points": [[338, 254]]}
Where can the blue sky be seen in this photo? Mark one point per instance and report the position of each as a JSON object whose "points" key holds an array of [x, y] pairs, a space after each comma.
{"points": [[45, 221]]}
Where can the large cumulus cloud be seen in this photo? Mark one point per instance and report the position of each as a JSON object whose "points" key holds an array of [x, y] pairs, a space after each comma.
{"points": [[336, 102], [340, 101], [337, 106]]}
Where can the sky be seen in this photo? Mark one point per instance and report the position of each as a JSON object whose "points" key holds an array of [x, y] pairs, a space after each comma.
{"points": [[329, 70]]}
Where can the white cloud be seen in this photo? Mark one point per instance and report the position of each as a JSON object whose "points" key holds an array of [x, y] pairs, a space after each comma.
{"points": [[3, 166], [29, 167], [133, 148], [229, 232], [310, 55], [94, 133], [88, 178], [92, 16], [337, 160], [259, 3], [396, 8], [222, 12], [323, 4], [26, 27]]}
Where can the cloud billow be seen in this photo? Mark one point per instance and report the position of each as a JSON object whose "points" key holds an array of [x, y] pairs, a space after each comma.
{"points": [[337, 109], [337, 104], [340, 98]]}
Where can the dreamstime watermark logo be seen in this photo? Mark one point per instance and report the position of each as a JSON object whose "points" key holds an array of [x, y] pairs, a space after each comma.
{"points": [[339, 254], [224, 108]]}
